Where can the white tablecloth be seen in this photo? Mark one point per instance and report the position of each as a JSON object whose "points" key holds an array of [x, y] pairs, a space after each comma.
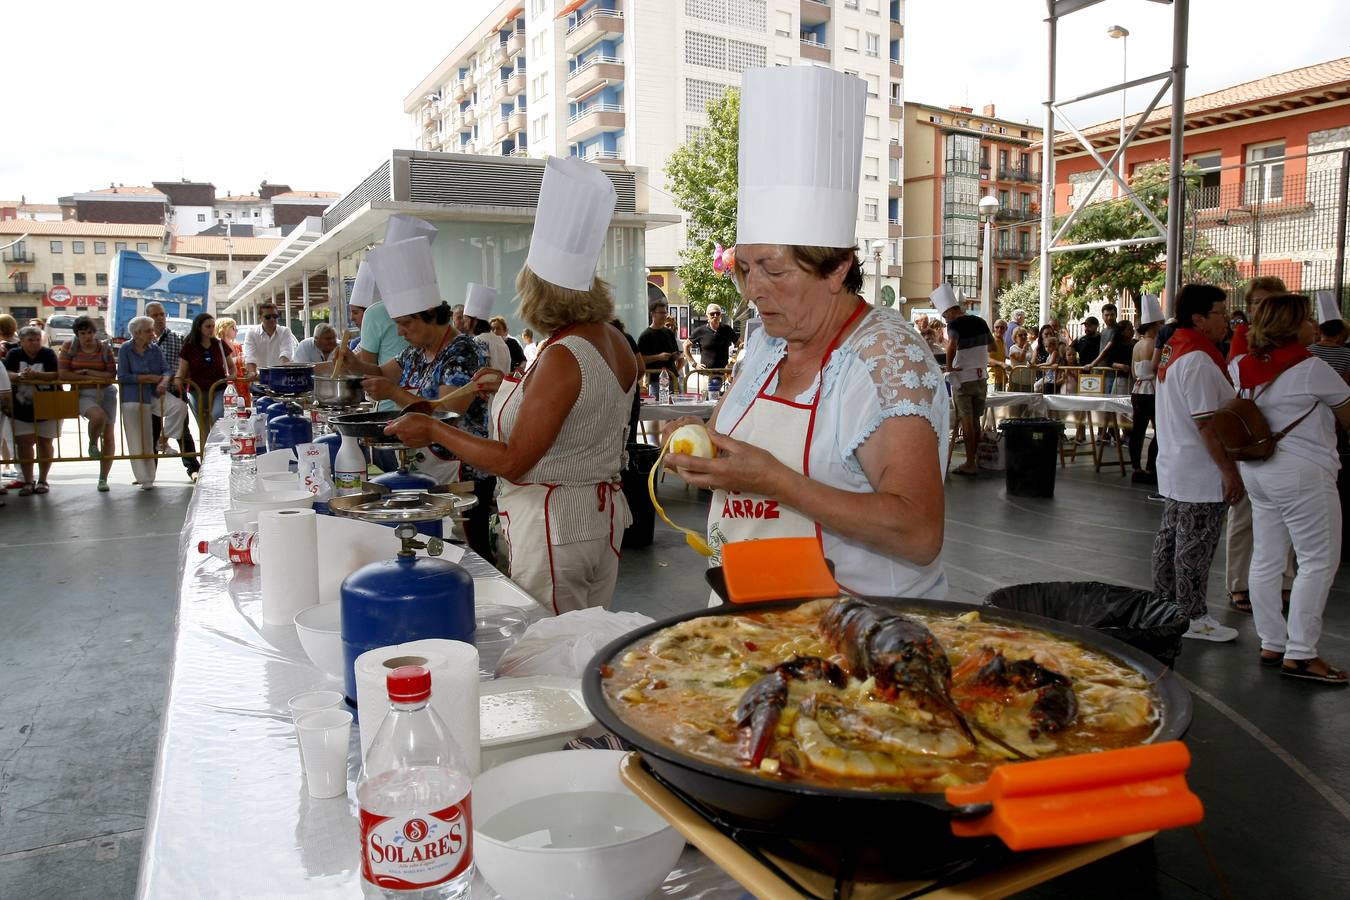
{"points": [[229, 815], [667, 412]]}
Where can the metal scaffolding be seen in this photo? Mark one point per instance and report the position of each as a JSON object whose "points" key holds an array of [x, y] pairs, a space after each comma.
{"points": [[1174, 80]]}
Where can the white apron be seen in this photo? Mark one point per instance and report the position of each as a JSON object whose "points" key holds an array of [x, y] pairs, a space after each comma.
{"points": [[785, 429], [548, 572]]}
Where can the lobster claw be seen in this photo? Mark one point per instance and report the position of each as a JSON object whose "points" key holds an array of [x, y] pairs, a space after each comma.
{"points": [[760, 709]]}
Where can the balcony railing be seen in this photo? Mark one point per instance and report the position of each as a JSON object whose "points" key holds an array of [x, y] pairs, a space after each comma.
{"points": [[18, 256], [601, 154], [1018, 173], [594, 108], [893, 220], [593, 61], [594, 14], [22, 287], [1018, 214], [812, 42]]}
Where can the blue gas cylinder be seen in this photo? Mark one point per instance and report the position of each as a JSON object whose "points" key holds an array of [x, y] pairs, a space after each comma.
{"points": [[404, 599], [290, 429], [263, 404], [332, 441], [403, 480]]}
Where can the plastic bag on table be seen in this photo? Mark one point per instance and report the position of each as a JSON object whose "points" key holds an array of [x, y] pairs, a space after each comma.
{"points": [[1127, 614], [563, 645]]}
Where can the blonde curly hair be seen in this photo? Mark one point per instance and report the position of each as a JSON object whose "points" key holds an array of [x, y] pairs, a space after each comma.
{"points": [[549, 308]]}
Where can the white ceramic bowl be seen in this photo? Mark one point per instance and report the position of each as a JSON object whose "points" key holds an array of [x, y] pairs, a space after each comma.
{"points": [[259, 500], [615, 846], [320, 631]]}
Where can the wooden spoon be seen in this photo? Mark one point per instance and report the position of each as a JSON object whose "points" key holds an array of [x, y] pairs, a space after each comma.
{"points": [[427, 406]]}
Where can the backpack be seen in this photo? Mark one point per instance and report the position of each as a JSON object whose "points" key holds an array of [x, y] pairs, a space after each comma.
{"points": [[1243, 431]]}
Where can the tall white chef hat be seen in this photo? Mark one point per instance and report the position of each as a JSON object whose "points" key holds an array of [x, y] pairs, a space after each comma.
{"points": [[801, 132], [365, 292], [401, 227], [1150, 309], [576, 202], [478, 300], [1328, 310], [406, 275], [944, 298]]}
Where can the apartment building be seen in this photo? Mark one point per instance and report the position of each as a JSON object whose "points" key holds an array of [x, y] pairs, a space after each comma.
{"points": [[192, 207], [63, 266], [1272, 155], [953, 158], [22, 209], [630, 80]]}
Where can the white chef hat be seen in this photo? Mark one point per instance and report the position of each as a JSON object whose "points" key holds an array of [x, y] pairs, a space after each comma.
{"points": [[406, 275], [576, 202], [401, 227], [944, 298], [801, 132], [1328, 310], [365, 292], [478, 300], [1150, 309]]}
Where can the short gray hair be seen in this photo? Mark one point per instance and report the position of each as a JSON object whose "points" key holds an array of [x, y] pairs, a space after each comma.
{"points": [[30, 331], [156, 304], [139, 324], [322, 329]]}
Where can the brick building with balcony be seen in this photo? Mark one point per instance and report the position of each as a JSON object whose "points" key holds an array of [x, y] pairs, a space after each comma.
{"points": [[954, 157]]}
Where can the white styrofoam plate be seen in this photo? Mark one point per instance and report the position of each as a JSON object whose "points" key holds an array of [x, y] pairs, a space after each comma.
{"points": [[523, 716]]}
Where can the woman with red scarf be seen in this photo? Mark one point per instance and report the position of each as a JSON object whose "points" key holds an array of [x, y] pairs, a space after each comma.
{"points": [[1293, 493]]}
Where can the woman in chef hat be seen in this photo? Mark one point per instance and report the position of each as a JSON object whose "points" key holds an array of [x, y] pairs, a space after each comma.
{"points": [[558, 435], [839, 414], [438, 360]]}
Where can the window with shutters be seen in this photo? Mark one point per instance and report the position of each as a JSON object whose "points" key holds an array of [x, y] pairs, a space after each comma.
{"points": [[870, 208], [871, 168], [782, 23], [873, 84], [870, 127], [851, 40]]}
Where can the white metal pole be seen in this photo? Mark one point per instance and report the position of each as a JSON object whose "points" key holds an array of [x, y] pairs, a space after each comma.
{"points": [[1048, 174], [1124, 78], [987, 295], [1176, 188], [304, 292]]}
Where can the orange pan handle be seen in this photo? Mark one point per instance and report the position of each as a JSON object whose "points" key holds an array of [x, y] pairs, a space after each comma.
{"points": [[776, 569], [1073, 773]]}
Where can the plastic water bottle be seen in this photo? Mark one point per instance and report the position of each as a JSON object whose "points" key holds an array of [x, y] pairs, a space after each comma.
{"points": [[243, 456], [231, 395], [239, 547], [413, 794], [663, 389], [349, 469]]}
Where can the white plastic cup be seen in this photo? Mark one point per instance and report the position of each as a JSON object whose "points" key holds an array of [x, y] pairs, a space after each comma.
{"points": [[240, 519], [313, 701], [324, 738]]}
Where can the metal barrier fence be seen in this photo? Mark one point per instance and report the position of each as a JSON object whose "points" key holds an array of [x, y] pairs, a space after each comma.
{"points": [[63, 403], [1281, 215]]}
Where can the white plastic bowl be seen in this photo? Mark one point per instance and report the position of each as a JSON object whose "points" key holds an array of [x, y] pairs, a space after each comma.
{"points": [[259, 500], [277, 482], [520, 868], [320, 631], [504, 592]]}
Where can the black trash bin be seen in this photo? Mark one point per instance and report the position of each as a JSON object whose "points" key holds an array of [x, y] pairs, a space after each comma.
{"points": [[1033, 453], [1125, 613], [641, 458]]}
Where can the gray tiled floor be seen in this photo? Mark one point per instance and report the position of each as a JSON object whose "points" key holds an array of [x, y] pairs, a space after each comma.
{"points": [[88, 610]]}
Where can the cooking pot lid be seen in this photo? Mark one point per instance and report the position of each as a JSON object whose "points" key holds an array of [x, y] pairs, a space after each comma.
{"points": [[400, 506]]}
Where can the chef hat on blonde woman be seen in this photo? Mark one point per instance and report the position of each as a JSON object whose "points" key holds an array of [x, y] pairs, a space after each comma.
{"points": [[576, 202]]}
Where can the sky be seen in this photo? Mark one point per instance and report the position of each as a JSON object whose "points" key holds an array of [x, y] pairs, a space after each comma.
{"points": [[311, 95]]}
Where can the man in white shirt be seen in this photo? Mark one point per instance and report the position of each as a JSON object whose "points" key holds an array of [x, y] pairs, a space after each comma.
{"points": [[1196, 479], [318, 349], [269, 345]]}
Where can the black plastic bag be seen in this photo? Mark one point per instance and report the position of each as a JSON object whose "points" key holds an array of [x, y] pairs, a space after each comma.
{"points": [[1125, 613], [641, 458]]}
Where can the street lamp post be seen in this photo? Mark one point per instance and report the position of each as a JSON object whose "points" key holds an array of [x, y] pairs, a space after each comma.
{"points": [[877, 247], [1120, 31], [988, 210]]}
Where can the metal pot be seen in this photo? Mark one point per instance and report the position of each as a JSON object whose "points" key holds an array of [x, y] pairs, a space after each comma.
{"points": [[369, 426], [292, 378], [910, 832], [341, 392]]}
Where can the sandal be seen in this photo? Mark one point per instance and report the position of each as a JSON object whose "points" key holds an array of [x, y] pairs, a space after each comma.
{"points": [[1271, 658], [1240, 601], [1301, 668], [27, 489], [42, 488]]}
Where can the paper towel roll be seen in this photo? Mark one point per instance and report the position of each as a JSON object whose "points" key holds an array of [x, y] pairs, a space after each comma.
{"points": [[346, 545], [290, 569], [454, 689]]}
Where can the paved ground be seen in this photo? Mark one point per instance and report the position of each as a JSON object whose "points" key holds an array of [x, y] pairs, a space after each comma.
{"points": [[90, 607]]}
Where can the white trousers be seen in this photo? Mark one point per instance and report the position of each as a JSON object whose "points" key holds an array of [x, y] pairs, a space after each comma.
{"points": [[137, 428], [1294, 501]]}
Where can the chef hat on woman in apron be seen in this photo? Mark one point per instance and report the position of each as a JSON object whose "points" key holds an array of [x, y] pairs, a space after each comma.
{"points": [[801, 132], [1151, 309], [365, 293], [479, 299], [558, 285], [406, 275], [401, 227]]}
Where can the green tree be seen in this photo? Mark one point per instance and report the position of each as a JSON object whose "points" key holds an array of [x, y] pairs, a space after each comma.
{"points": [[1090, 275], [1026, 296], [701, 174]]}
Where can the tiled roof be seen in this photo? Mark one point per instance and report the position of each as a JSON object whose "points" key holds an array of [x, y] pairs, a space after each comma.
{"points": [[80, 229], [212, 245], [1309, 80], [131, 189], [308, 195], [30, 207]]}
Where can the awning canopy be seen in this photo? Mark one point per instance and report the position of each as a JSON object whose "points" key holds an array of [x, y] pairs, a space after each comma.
{"points": [[301, 238]]}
